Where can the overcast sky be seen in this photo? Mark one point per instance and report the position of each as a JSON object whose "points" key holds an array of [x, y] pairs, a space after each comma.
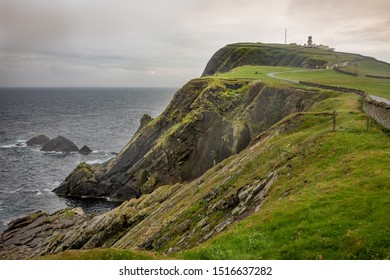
{"points": [[166, 43]]}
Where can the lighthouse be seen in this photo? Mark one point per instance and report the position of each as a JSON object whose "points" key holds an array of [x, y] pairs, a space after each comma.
{"points": [[309, 41]]}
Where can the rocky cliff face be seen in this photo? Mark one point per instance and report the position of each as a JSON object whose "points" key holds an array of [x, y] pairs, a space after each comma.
{"points": [[207, 121], [235, 55]]}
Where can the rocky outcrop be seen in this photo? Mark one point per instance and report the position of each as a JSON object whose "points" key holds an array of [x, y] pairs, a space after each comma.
{"points": [[144, 121], [60, 144], [207, 121], [85, 150], [39, 140], [29, 236]]}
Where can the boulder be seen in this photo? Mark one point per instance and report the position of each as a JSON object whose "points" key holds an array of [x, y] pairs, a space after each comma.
{"points": [[85, 150], [60, 144], [39, 140]]}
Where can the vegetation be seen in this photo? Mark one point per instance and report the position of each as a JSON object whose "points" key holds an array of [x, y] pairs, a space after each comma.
{"points": [[378, 87], [235, 55], [254, 61], [257, 73], [329, 202], [329, 197], [102, 254]]}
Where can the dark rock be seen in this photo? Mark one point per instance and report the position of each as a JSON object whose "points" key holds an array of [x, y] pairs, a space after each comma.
{"points": [[60, 144], [81, 182], [144, 121], [85, 150], [39, 140], [24, 237]]}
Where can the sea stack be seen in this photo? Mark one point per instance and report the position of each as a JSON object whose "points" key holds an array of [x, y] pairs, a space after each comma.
{"points": [[85, 150], [39, 140], [60, 144]]}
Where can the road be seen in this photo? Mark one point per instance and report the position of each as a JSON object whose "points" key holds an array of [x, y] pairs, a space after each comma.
{"points": [[272, 75]]}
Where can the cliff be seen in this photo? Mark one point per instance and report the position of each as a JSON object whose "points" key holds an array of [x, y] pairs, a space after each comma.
{"points": [[207, 121]]}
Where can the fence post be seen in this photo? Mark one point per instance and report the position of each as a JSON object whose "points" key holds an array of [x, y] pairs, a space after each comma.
{"points": [[334, 120]]}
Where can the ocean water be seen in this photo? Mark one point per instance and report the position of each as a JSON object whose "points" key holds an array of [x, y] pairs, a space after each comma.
{"points": [[104, 119]]}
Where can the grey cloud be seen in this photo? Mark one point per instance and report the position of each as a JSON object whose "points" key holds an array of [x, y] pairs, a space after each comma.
{"points": [[161, 42]]}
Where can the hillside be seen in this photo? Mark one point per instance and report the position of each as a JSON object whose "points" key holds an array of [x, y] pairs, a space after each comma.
{"points": [[240, 54], [239, 166]]}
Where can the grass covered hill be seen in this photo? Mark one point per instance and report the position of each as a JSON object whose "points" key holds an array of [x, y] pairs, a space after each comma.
{"points": [[240, 54], [284, 181]]}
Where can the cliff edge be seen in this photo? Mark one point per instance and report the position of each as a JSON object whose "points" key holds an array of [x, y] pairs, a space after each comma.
{"points": [[207, 121]]}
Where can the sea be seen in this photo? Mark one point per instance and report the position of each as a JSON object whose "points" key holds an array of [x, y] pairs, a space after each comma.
{"points": [[104, 119]]}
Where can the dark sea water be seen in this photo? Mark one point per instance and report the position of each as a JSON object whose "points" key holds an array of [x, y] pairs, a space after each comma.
{"points": [[104, 119]]}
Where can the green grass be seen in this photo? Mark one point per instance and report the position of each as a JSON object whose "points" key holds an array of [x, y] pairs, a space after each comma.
{"points": [[331, 200], [379, 87], [246, 60], [258, 73], [103, 254]]}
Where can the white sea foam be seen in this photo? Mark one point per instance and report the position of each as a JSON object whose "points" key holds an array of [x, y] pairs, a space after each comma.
{"points": [[15, 145], [38, 192], [15, 191], [99, 161]]}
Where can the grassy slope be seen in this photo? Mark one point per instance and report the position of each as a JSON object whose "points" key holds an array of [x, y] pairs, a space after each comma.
{"points": [[331, 200], [278, 54], [102, 254], [379, 87], [256, 73]]}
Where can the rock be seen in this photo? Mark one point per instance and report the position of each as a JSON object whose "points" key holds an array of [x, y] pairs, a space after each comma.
{"points": [[81, 181], [39, 140], [144, 121], [60, 144], [29, 236], [85, 150]]}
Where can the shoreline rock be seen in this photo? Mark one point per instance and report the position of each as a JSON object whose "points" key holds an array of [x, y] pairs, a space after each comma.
{"points": [[85, 150], [39, 140], [60, 144]]}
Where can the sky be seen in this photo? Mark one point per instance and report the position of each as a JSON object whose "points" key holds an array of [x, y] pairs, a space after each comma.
{"points": [[154, 43]]}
